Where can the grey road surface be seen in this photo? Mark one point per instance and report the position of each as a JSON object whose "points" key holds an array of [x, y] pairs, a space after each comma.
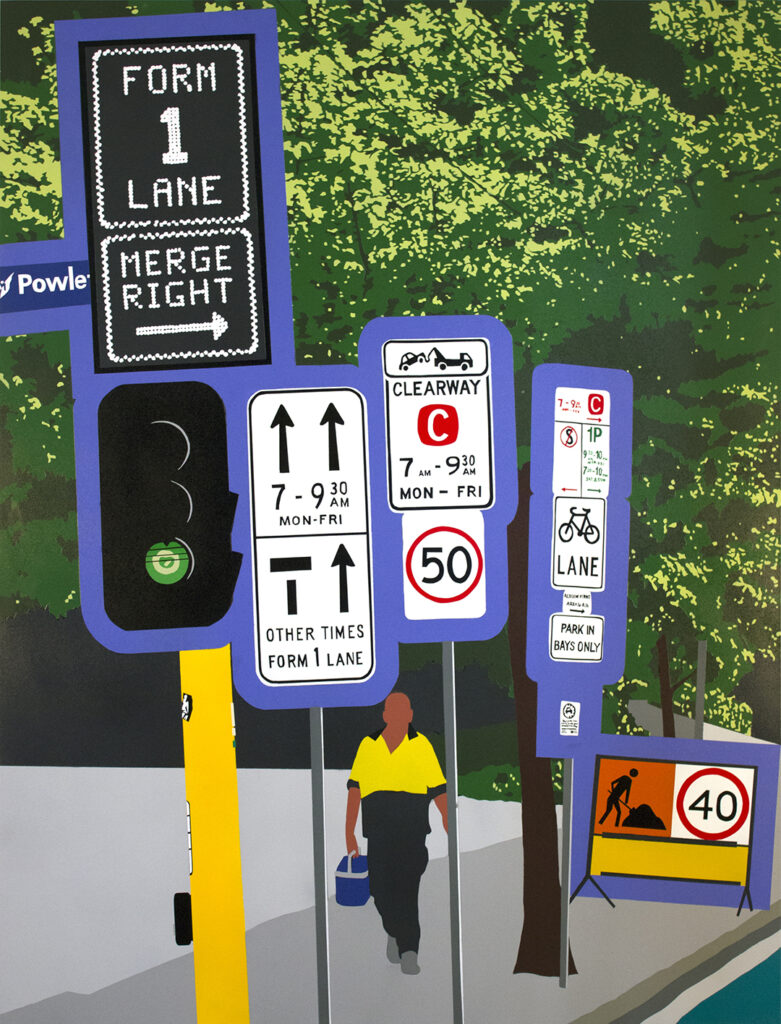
{"points": [[616, 952]]}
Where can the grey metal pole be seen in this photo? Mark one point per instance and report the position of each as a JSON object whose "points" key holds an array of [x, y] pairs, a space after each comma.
{"points": [[451, 773], [317, 747], [699, 699], [566, 851]]}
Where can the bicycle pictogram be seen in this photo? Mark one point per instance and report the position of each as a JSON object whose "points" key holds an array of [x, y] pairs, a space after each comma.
{"points": [[579, 525]]}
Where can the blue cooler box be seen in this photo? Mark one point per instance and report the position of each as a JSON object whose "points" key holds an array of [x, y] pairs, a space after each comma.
{"points": [[352, 881]]}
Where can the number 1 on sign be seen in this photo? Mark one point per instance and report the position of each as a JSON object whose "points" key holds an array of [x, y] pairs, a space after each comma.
{"points": [[174, 155]]}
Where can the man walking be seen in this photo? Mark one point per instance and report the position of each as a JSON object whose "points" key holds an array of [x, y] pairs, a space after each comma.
{"points": [[394, 777]]}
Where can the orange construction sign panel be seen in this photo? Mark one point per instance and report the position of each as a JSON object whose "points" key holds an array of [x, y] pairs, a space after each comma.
{"points": [[668, 819]]}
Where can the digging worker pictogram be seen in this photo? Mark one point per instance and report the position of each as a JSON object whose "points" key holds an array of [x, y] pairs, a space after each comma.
{"points": [[394, 777], [619, 794]]}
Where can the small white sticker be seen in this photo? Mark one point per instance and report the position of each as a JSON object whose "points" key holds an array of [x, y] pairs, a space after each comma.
{"points": [[577, 602], [570, 718]]}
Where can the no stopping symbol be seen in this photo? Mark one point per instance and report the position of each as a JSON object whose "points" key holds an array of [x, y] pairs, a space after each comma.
{"points": [[444, 564]]}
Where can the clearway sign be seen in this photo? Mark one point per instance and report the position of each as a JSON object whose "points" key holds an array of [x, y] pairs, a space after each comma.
{"points": [[439, 423], [451, 470]]}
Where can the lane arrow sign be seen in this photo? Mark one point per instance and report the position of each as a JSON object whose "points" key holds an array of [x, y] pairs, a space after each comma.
{"points": [[283, 421], [343, 560], [218, 325], [331, 417]]}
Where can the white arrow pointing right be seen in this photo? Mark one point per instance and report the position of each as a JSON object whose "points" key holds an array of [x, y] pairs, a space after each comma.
{"points": [[218, 325]]}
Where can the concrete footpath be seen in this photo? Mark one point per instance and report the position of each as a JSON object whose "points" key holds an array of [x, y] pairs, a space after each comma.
{"points": [[625, 958]]}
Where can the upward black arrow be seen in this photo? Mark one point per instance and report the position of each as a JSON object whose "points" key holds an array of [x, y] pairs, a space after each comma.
{"points": [[342, 559], [331, 417], [283, 421]]}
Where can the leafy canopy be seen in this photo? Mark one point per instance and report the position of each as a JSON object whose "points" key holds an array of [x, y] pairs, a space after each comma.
{"points": [[499, 158]]}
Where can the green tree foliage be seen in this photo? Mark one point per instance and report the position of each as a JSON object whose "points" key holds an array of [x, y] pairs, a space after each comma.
{"points": [[37, 490], [30, 186], [485, 160], [495, 158]]}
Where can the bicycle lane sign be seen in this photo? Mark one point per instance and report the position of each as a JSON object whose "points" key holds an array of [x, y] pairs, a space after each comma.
{"points": [[578, 569], [578, 543]]}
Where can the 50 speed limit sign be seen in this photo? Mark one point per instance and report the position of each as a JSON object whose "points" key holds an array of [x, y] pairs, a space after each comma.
{"points": [[713, 803], [444, 565]]}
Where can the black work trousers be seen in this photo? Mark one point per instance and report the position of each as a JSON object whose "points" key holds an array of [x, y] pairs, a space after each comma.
{"points": [[397, 860]]}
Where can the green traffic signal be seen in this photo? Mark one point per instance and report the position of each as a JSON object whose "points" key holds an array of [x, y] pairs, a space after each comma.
{"points": [[167, 563]]}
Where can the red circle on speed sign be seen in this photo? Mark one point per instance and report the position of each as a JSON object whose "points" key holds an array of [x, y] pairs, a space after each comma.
{"points": [[445, 566], [741, 816]]}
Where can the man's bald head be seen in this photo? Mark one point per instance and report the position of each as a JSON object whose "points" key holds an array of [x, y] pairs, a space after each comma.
{"points": [[397, 711]]}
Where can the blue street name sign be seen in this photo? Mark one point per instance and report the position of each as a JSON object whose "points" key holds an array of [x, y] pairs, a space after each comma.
{"points": [[44, 286]]}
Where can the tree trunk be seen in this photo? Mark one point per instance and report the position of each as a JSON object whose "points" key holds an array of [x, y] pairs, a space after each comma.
{"points": [[665, 688], [538, 952]]}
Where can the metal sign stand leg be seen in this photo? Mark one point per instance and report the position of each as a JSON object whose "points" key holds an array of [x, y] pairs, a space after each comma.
{"points": [[566, 851], [318, 848], [451, 773]]}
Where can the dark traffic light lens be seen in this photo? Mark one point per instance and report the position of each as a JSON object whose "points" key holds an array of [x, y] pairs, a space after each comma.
{"points": [[166, 510]]}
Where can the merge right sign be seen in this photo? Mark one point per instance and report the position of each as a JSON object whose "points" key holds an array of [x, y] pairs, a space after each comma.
{"points": [[581, 462]]}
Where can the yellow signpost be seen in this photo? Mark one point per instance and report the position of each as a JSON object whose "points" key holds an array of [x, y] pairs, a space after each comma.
{"points": [[219, 945]]}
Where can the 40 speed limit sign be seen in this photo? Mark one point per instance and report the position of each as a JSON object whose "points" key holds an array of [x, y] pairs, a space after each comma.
{"points": [[713, 803], [444, 565]]}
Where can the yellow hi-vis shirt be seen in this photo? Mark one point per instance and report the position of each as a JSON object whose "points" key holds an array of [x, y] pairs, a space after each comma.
{"points": [[396, 787]]}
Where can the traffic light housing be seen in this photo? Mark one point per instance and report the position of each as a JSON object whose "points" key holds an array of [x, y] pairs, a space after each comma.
{"points": [[166, 510]]}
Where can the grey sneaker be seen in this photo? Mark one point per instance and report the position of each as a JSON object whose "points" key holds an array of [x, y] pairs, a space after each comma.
{"points": [[409, 962], [392, 951]]}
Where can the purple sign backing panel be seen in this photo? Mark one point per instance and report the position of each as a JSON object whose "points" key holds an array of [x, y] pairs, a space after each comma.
{"points": [[444, 459], [313, 626], [172, 185], [751, 815], [581, 459], [164, 248], [170, 81]]}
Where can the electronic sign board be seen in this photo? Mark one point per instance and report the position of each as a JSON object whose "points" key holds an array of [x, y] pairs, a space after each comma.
{"points": [[175, 231]]}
